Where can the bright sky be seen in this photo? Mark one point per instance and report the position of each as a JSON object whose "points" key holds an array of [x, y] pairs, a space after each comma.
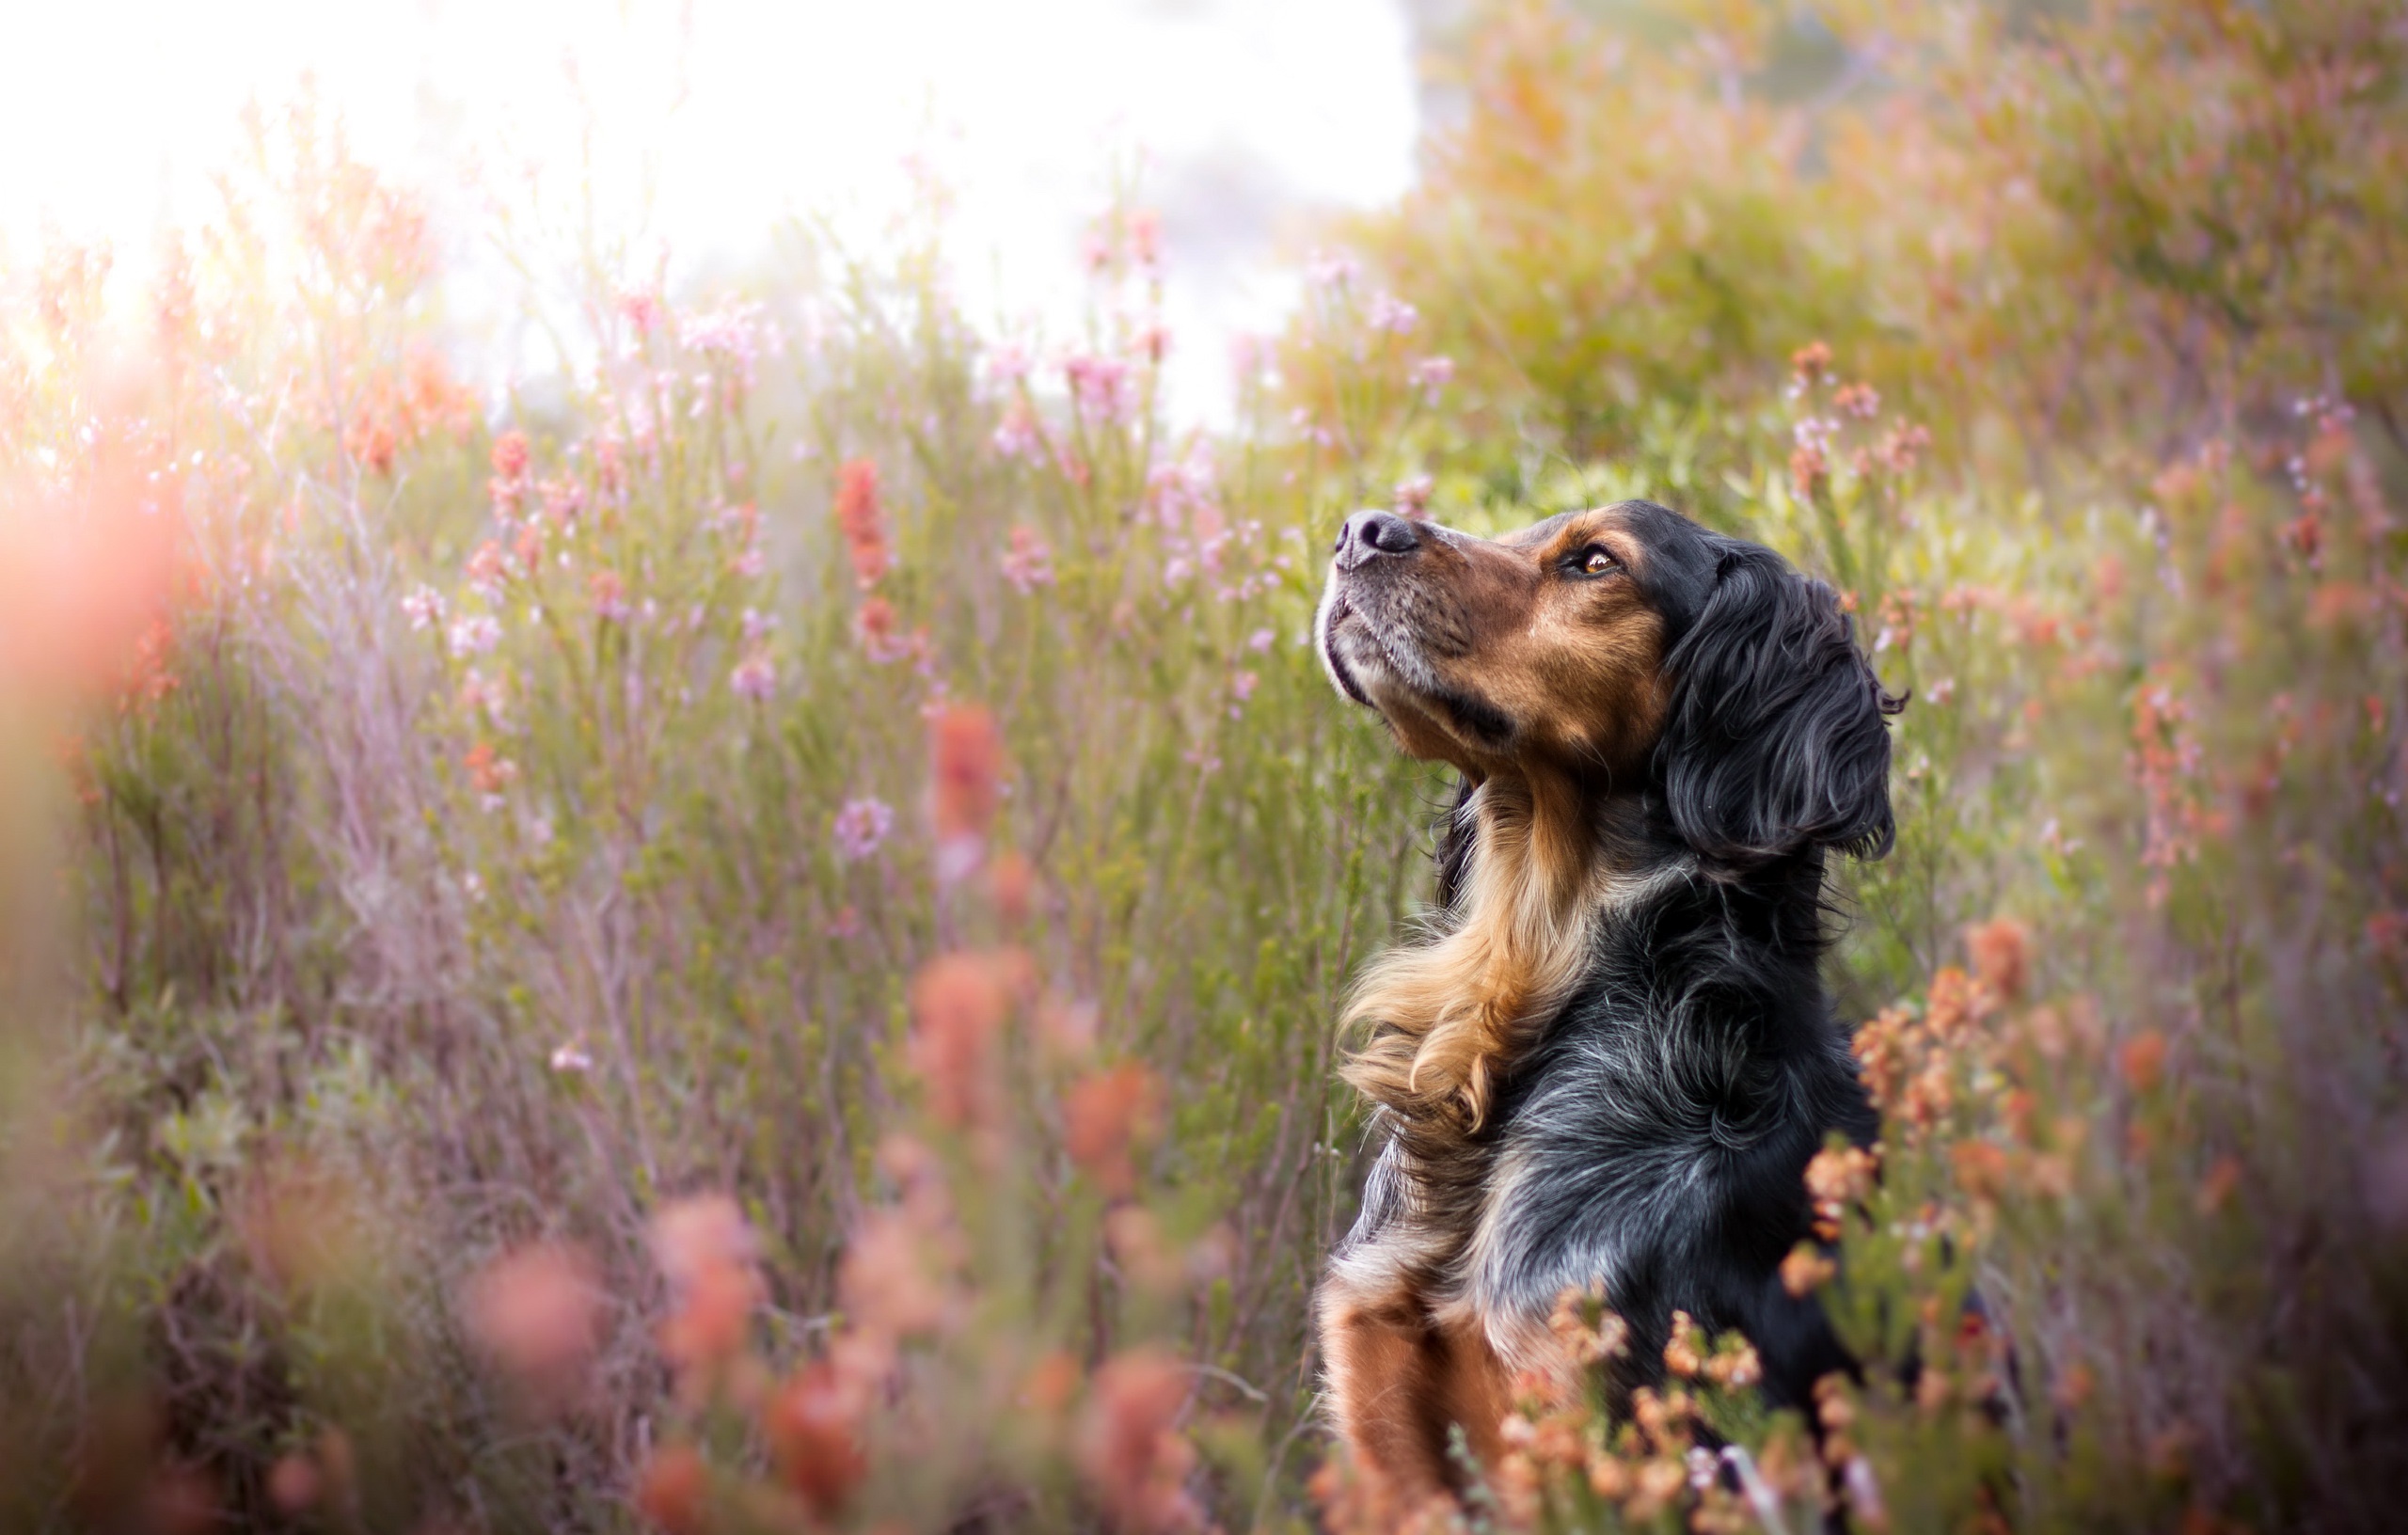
{"points": [[712, 119]]}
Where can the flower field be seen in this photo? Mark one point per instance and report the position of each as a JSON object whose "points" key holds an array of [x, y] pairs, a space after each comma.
{"points": [[743, 935]]}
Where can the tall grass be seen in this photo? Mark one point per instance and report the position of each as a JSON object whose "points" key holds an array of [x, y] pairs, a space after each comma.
{"points": [[744, 936]]}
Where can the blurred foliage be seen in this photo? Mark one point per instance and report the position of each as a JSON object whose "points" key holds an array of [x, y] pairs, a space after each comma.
{"points": [[744, 938]]}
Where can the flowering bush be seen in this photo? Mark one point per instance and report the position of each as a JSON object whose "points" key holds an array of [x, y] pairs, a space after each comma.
{"points": [[743, 938]]}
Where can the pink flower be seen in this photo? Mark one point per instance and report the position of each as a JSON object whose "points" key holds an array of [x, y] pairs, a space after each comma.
{"points": [[860, 827], [423, 608], [1100, 387], [1008, 364], [609, 595], [1413, 496], [1028, 565], [1017, 437], [1430, 374], [1259, 642], [1393, 314], [475, 636], [642, 311], [754, 677], [1326, 269]]}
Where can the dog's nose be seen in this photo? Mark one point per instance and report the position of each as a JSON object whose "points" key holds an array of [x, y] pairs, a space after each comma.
{"points": [[1367, 534]]}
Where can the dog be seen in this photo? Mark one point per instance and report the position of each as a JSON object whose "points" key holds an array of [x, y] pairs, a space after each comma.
{"points": [[1611, 1055]]}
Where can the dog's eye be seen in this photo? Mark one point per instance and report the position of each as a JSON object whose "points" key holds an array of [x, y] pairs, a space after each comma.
{"points": [[1597, 561]]}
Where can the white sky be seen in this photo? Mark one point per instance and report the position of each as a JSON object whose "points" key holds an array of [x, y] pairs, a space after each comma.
{"points": [[714, 118]]}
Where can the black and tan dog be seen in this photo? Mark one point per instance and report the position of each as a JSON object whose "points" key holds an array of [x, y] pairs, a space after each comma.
{"points": [[1612, 1056]]}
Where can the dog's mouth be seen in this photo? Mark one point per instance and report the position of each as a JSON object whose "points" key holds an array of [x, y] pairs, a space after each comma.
{"points": [[1385, 671], [1336, 614]]}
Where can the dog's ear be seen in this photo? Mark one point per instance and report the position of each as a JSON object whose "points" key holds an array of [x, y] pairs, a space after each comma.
{"points": [[1776, 741]]}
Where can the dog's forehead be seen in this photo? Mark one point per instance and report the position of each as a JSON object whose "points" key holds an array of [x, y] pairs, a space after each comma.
{"points": [[1561, 526]]}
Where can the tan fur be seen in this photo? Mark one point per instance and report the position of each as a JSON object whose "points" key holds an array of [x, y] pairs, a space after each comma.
{"points": [[1447, 1009], [1401, 1379]]}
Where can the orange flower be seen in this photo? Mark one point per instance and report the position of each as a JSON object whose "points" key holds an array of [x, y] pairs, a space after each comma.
{"points": [[1130, 1452], [2002, 951], [857, 518], [957, 1003], [810, 1425], [673, 1488], [2143, 1059], [538, 1312], [706, 1251], [969, 754], [1103, 1114]]}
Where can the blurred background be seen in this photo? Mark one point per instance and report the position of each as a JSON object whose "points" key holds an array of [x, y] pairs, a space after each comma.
{"points": [[673, 855], [690, 130]]}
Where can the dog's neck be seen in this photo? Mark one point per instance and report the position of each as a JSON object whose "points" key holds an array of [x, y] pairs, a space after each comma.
{"points": [[1536, 858]]}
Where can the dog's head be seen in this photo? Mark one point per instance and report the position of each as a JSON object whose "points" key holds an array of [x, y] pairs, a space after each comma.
{"points": [[1620, 649]]}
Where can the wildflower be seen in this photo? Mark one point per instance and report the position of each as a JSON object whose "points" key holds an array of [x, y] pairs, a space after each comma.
{"points": [[487, 568], [2001, 956], [673, 1489], [1260, 641], [489, 770], [423, 608], [490, 697], [1324, 269], [570, 1058], [1685, 1352], [889, 1280], [1098, 388], [967, 753], [706, 1251], [1130, 1453], [957, 1003], [756, 623], [755, 677], [860, 827], [1392, 314], [1018, 436], [2143, 1060], [1806, 1269], [537, 1312], [609, 595], [1028, 563], [1241, 686], [1810, 363], [1430, 375], [856, 515], [1413, 496], [810, 1426], [294, 1484], [1008, 364], [510, 455], [1860, 400], [1103, 1114], [1143, 229], [643, 313]]}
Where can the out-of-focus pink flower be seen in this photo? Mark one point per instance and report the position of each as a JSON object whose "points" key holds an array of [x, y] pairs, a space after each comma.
{"points": [[755, 677], [510, 455], [1331, 269], [708, 1252], [537, 1312], [1028, 563], [1132, 1456], [609, 596], [1017, 437], [642, 311], [1393, 314], [1143, 229], [959, 1002], [1432, 374], [487, 568], [967, 759], [810, 1426], [861, 826], [1008, 364], [1413, 496], [857, 516], [475, 635], [1100, 387], [1260, 641], [1104, 1113], [423, 608]]}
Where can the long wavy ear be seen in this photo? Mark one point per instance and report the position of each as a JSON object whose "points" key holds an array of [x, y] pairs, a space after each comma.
{"points": [[1776, 741]]}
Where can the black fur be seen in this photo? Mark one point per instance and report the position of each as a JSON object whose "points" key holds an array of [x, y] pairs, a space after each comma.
{"points": [[1656, 1134]]}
